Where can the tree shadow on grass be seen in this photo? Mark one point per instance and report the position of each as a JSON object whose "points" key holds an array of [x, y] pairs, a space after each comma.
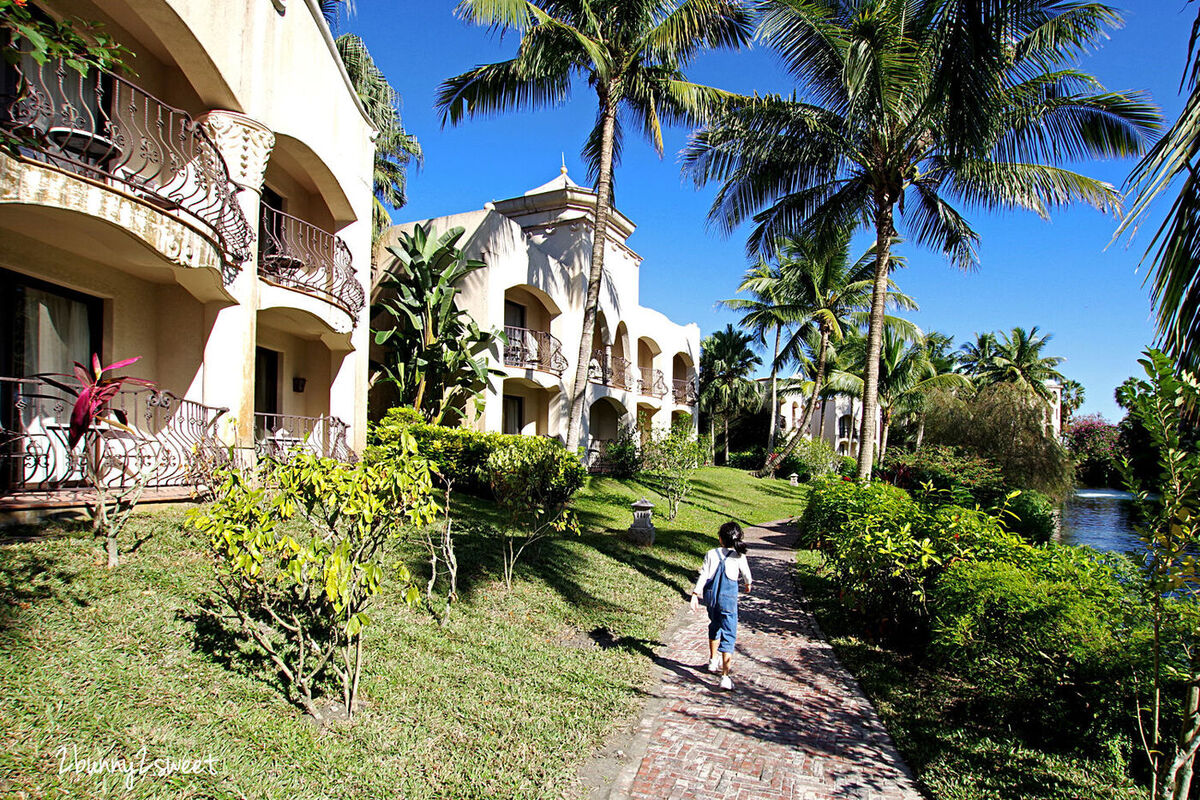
{"points": [[28, 578]]}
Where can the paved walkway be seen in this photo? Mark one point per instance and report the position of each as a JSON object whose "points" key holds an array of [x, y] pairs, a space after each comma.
{"points": [[796, 724]]}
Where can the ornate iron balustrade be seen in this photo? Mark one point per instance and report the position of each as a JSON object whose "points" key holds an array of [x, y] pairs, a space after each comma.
{"points": [[533, 350], [174, 439], [609, 370], [279, 434], [105, 128], [299, 255], [685, 391], [652, 383]]}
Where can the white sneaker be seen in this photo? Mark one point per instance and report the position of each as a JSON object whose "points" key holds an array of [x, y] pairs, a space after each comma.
{"points": [[715, 665], [726, 683]]}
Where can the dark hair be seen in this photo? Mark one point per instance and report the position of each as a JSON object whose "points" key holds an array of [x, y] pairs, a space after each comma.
{"points": [[731, 537]]}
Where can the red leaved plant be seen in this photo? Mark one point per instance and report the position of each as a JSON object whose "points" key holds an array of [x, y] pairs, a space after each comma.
{"points": [[93, 394]]}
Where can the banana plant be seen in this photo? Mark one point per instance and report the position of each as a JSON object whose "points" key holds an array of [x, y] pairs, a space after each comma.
{"points": [[434, 353]]}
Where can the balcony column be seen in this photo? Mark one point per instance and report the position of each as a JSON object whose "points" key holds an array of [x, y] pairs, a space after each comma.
{"points": [[233, 333]]}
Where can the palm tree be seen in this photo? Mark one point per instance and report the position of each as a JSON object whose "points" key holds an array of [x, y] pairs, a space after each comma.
{"points": [[1073, 395], [1018, 359], [906, 375], [827, 293], [977, 356], [1175, 249], [632, 53], [766, 311], [395, 148], [916, 103], [726, 363]]}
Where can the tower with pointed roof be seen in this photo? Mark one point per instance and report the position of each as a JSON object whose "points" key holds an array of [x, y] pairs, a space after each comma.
{"points": [[537, 248]]}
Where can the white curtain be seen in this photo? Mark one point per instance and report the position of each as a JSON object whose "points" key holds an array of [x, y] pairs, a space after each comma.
{"points": [[57, 333]]}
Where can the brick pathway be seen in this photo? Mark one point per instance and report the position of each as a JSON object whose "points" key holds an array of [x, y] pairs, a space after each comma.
{"points": [[796, 724]]}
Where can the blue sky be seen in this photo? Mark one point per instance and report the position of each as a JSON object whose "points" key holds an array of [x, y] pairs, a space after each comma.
{"points": [[1061, 275]]}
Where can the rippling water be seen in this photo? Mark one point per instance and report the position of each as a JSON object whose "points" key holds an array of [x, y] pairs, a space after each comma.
{"points": [[1101, 518]]}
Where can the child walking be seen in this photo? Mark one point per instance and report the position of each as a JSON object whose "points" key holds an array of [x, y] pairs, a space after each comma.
{"points": [[724, 567]]}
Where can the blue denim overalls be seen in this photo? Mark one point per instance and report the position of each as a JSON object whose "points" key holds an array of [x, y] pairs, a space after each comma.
{"points": [[721, 597]]}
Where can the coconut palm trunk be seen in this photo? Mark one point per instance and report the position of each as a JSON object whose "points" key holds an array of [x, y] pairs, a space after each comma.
{"points": [[596, 272], [773, 423], [801, 431], [884, 233]]}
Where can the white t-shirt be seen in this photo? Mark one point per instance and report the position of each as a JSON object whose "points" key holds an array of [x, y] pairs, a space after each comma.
{"points": [[735, 566]]}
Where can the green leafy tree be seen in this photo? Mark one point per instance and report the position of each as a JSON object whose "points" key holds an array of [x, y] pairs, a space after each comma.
{"points": [[632, 54], [1169, 507], [766, 311], [726, 363], [532, 482], [669, 461], [434, 353], [916, 106], [298, 556]]}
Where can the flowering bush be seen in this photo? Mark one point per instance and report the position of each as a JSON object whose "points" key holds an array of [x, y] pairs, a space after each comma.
{"points": [[1095, 448]]}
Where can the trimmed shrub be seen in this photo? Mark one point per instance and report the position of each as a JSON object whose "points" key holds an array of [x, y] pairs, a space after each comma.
{"points": [[1041, 646], [461, 454], [813, 458], [1031, 516], [885, 548], [621, 455]]}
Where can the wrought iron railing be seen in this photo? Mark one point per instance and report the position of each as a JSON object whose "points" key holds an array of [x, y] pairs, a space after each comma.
{"points": [[609, 370], [299, 255], [685, 391], [103, 127], [171, 438], [652, 382], [533, 350], [279, 434]]}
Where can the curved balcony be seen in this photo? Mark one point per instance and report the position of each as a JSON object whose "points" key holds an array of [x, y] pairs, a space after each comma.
{"points": [[277, 435], [102, 127], [684, 392], [652, 383], [173, 439], [298, 255], [610, 370], [533, 350]]}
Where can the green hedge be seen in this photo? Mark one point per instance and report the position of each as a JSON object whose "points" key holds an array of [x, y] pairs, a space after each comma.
{"points": [[461, 454], [1042, 637], [1046, 648]]}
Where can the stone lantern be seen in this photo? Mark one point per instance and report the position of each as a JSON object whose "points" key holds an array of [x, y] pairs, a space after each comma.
{"points": [[642, 529], [794, 479]]}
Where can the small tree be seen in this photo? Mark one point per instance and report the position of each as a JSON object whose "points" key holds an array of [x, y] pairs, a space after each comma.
{"points": [[117, 470], [1170, 510], [298, 558], [532, 479], [669, 460]]}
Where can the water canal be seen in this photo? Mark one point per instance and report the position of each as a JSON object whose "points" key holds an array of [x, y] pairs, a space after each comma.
{"points": [[1100, 518]]}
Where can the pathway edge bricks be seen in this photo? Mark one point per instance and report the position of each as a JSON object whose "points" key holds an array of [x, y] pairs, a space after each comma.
{"points": [[797, 724]]}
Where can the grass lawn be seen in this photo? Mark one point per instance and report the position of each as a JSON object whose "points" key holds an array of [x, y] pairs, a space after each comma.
{"points": [[508, 700], [952, 758]]}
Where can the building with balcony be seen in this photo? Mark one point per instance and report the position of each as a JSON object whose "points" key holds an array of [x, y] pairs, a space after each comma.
{"points": [[537, 248], [209, 212]]}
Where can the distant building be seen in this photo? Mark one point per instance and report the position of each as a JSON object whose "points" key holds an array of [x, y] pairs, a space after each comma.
{"points": [[211, 214], [537, 247]]}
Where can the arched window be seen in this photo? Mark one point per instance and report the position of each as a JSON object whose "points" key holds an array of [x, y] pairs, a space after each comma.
{"points": [[845, 425]]}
